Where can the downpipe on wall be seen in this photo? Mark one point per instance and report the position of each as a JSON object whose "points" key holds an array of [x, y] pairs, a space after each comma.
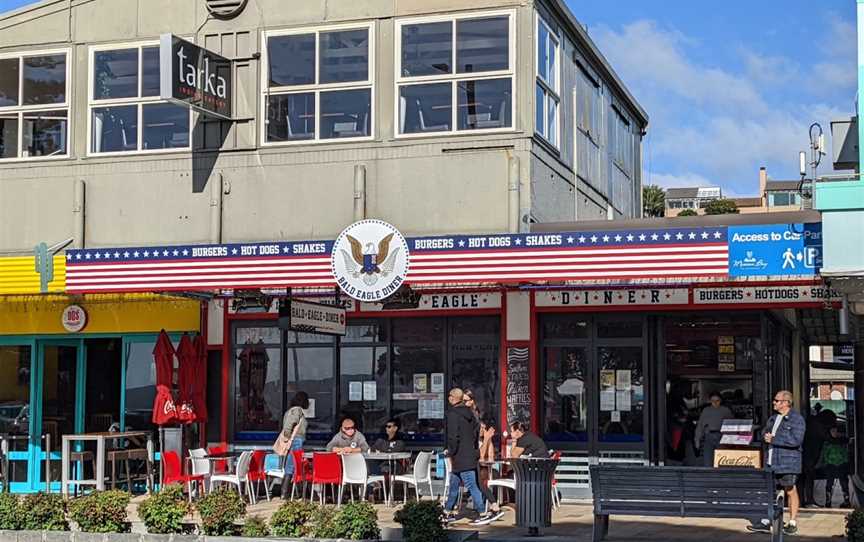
{"points": [[359, 192], [79, 212], [217, 193]]}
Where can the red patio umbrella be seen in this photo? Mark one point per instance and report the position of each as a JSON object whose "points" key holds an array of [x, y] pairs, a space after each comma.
{"points": [[164, 409], [187, 355], [199, 383]]}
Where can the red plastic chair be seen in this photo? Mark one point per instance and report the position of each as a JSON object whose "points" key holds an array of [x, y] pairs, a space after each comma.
{"points": [[326, 469], [257, 474], [172, 473], [302, 472], [221, 466]]}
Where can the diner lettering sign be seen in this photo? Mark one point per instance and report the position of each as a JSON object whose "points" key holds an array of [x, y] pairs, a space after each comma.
{"points": [[518, 386]]}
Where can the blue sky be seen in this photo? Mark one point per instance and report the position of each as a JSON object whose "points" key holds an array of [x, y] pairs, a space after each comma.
{"points": [[729, 86]]}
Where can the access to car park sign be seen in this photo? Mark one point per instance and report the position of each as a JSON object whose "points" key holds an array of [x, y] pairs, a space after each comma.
{"points": [[775, 249]]}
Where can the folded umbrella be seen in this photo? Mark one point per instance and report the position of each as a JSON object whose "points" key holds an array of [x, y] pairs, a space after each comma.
{"points": [[186, 356], [164, 409]]}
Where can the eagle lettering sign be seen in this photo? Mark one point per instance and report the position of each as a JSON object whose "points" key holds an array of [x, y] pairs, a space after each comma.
{"points": [[370, 260]]}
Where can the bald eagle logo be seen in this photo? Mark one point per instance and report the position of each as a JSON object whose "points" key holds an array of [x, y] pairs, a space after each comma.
{"points": [[370, 262]]}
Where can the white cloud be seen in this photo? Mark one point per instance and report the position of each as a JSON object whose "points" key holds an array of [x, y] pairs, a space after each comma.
{"points": [[684, 180], [838, 46], [770, 70]]}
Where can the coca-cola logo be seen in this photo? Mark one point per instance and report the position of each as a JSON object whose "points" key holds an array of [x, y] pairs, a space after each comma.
{"points": [[737, 460]]}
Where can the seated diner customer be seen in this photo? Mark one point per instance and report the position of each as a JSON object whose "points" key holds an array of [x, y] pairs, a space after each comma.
{"points": [[391, 441], [526, 443], [348, 440]]}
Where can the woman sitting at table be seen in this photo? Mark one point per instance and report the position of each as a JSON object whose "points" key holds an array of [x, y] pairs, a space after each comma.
{"points": [[487, 457], [391, 442]]}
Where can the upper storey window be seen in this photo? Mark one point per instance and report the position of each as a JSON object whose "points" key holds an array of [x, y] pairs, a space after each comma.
{"points": [[547, 90], [455, 74], [318, 84], [126, 114], [34, 106]]}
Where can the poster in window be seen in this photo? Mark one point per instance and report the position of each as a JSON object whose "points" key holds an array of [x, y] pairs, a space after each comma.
{"points": [[726, 362], [370, 390], [419, 383], [622, 380], [616, 416], [437, 383], [355, 391], [622, 401], [746, 351], [607, 379], [430, 409], [607, 400], [310, 412], [726, 340]]}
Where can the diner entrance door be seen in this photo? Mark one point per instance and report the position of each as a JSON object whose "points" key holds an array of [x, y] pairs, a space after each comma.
{"points": [[57, 402]]}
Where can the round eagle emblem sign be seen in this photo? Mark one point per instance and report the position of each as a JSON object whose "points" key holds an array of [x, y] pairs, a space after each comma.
{"points": [[370, 260]]}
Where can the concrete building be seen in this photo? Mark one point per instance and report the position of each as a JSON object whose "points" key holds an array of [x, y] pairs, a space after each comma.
{"points": [[695, 199], [525, 121]]}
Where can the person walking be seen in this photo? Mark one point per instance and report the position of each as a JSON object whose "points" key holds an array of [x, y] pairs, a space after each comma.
{"points": [[463, 435], [708, 427], [784, 435], [294, 429]]}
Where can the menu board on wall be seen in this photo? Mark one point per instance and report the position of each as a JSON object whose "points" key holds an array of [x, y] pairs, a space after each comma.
{"points": [[518, 386]]}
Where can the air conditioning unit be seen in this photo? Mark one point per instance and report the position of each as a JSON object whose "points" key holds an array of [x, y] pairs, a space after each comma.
{"points": [[844, 143]]}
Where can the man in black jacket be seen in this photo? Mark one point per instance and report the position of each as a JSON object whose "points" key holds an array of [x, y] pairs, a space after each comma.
{"points": [[463, 434]]}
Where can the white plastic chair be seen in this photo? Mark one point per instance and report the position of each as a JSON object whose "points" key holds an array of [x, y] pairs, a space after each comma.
{"points": [[277, 474], [201, 466], [354, 472], [240, 477], [448, 469], [421, 474]]}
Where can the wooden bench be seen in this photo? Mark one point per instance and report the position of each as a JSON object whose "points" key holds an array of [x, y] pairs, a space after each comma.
{"points": [[685, 492]]}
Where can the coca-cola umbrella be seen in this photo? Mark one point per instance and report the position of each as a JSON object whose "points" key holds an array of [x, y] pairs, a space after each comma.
{"points": [[164, 409], [186, 354], [199, 381]]}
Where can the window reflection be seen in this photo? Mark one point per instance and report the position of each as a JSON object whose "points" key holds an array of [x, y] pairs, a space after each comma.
{"points": [[140, 385], [311, 370], [115, 129], [9, 72], [44, 80], [565, 398], [346, 113], [344, 56], [484, 104], [425, 108], [45, 133], [482, 44], [15, 402], [291, 117], [291, 60], [258, 393], [363, 387], [427, 49], [621, 362], [165, 126], [115, 74], [8, 135], [150, 71], [421, 420]]}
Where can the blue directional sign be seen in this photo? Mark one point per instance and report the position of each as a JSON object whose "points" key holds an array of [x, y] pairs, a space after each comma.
{"points": [[775, 249]]}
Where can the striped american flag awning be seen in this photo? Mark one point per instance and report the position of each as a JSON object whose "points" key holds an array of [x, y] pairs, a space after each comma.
{"points": [[460, 259]]}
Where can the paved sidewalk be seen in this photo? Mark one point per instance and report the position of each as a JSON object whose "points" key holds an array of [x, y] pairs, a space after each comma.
{"points": [[573, 522]]}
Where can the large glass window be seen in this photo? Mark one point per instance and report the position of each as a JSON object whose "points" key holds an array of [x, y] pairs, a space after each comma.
{"points": [[621, 418], [589, 120], [318, 85], [34, 111], [15, 367], [257, 379], [621, 141], [126, 114], [455, 74], [548, 94], [565, 410], [474, 361]]}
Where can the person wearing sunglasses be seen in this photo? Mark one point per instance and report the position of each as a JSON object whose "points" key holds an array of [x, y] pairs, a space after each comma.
{"points": [[391, 441], [348, 440], [784, 436]]}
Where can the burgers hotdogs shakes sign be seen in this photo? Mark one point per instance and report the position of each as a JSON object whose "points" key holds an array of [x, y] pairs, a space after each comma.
{"points": [[191, 75]]}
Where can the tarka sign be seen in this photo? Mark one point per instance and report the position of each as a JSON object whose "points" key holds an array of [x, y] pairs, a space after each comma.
{"points": [[193, 76], [370, 260]]}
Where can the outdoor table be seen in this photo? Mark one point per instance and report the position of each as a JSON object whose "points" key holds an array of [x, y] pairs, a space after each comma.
{"points": [[491, 464], [390, 458], [99, 467], [227, 456]]}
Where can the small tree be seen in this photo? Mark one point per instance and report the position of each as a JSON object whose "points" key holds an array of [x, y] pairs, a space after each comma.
{"points": [[653, 201], [688, 212], [721, 206]]}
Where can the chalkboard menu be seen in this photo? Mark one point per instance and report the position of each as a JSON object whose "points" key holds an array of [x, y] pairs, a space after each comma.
{"points": [[518, 386]]}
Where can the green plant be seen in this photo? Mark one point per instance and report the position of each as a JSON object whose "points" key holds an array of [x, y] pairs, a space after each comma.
{"points": [[10, 512], [688, 212], [653, 201], [855, 526], [163, 512], [255, 527], [358, 521], [219, 510], [101, 512], [422, 521], [721, 206], [292, 519], [43, 512], [324, 523]]}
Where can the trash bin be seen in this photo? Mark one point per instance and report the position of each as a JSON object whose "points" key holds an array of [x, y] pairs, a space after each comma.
{"points": [[533, 492]]}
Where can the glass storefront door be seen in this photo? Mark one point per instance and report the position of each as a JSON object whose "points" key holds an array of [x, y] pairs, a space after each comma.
{"points": [[593, 383], [16, 365]]}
